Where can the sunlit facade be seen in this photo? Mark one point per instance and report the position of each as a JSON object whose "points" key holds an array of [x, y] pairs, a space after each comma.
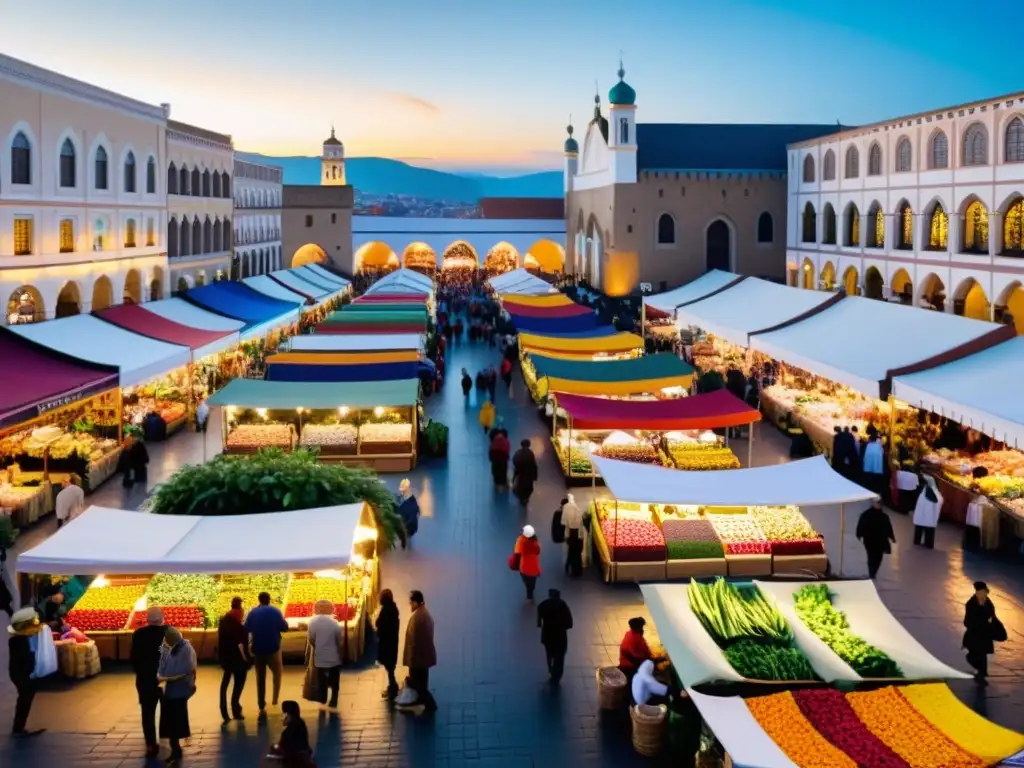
{"points": [[257, 218], [929, 209]]}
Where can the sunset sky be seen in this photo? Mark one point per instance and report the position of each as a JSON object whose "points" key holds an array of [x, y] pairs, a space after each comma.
{"points": [[482, 85]]}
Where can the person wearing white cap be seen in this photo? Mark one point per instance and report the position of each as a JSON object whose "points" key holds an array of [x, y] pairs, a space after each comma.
{"points": [[22, 645], [526, 559]]}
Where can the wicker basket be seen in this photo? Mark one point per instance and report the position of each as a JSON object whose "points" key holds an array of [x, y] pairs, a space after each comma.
{"points": [[648, 728], [611, 688]]}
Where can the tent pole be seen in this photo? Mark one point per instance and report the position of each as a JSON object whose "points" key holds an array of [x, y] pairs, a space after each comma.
{"points": [[643, 320], [842, 535], [892, 426], [750, 445]]}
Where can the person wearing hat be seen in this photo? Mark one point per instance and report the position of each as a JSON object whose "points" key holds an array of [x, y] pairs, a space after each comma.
{"points": [[633, 650], [979, 620], [524, 472], [21, 664], [527, 555], [146, 644]]}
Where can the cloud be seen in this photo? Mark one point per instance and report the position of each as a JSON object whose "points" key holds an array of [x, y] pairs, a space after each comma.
{"points": [[414, 102]]}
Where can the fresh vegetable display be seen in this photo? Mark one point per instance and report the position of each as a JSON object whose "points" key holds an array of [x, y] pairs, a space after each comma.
{"points": [[739, 534], [813, 604], [579, 462], [303, 594], [385, 433], [98, 619], [248, 587], [180, 616], [633, 541], [753, 635], [256, 436], [788, 532], [700, 457], [690, 539], [342, 436], [639, 453], [170, 589], [111, 597]]}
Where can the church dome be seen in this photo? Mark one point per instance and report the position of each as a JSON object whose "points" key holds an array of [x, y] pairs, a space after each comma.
{"points": [[622, 94], [332, 141], [570, 143]]}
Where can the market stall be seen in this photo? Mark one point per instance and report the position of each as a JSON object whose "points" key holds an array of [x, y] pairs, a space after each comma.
{"points": [[751, 514], [193, 566], [559, 324], [553, 299], [356, 343], [241, 302], [308, 286], [416, 299], [401, 321], [709, 283], [343, 366], [520, 281], [650, 374], [402, 281], [325, 275], [370, 424], [616, 345], [268, 286]]}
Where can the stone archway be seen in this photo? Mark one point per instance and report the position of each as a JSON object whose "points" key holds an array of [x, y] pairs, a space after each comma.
{"points": [[156, 285], [501, 258], [932, 293], [718, 246], [132, 287], [828, 276], [902, 286], [310, 253], [102, 294], [420, 257], [25, 305], [807, 275], [970, 300], [874, 284], [1011, 306], [548, 255], [375, 256], [851, 282]]}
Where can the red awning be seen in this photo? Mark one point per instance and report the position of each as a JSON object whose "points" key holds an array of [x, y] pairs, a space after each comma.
{"points": [[710, 411], [37, 379], [563, 310], [138, 320]]}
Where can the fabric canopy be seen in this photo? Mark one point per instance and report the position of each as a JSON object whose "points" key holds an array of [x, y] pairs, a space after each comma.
{"points": [[498, 282], [709, 282], [862, 343], [520, 281], [36, 379], [242, 303], [181, 311], [268, 286], [553, 325], [620, 342], [750, 306], [363, 329], [392, 298], [137, 358], [328, 275], [402, 281], [385, 306], [344, 358], [325, 279], [309, 287], [611, 377], [120, 542], [804, 483], [590, 333], [981, 390], [548, 300], [710, 411], [257, 393], [373, 372], [530, 310], [357, 343], [410, 317], [140, 320]]}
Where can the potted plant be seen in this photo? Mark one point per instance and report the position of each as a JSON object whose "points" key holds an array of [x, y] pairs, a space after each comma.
{"points": [[8, 533], [435, 439]]}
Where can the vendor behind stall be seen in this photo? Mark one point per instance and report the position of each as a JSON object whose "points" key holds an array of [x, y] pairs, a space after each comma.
{"points": [[633, 650]]}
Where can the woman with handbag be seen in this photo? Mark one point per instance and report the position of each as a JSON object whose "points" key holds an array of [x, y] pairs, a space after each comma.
{"points": [[526, 559], [983, 629], [323, 653], [177, 671]]}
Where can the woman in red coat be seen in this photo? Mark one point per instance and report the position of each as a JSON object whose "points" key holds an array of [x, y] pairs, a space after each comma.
{"points": [[528, 549]]}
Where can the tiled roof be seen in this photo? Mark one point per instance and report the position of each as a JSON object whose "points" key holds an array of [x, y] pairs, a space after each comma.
{"points": [[720, 147], [522, 207]]}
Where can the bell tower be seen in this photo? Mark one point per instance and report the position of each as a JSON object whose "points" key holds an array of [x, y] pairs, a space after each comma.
{"points": [[572, 153], [332, 162]]}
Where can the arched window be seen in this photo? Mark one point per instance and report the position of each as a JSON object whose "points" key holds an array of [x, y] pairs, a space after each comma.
{"points": [[904, 159], [810, 224], [808, 169], [217, 244], [905, 241], [876, 227], [101, 171], [975, 145], [765, 228], [206, 183], [939, 155], [225, 186], [938, 229], [185, 238], [21, 159], [1013, 227], [150, 232], [1015, 141], [197, 237], [129, 172], [151, 176], [852, 237], [828, 235], [828, 166], [129, 233], [67, 164], [227, 230], [172, 180], [976, 228], [67, 235], [666, 229], [196, 185], [875, 160], [172, 238], [207, 236], [216, 183], [852, 170], [183, 179]]}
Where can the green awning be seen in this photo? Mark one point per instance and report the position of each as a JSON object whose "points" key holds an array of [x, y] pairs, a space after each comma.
{"points": [[375, 307], [659, 366], [376, 318], [257, 393]]}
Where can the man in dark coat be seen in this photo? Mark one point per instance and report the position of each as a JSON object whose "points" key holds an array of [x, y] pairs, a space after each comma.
{"points": [[145, 657], [979, 619], [233, 655], [387, 640], [524, 472], [555, 620], [21, 663], [874, 529]]}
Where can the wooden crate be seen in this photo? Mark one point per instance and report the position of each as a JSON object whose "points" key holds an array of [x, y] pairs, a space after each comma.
{"points": [[696, 567], [799, 565], [653, 571], [749, 565]]}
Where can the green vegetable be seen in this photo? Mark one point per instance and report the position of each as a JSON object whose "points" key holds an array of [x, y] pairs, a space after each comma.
{"points": [[166, 589], [813, 605], [694, 550], [761, 661]]}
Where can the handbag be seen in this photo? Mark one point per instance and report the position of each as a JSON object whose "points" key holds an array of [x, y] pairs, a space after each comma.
{"points": [[311, 688], [514, 560], [557, 529], [46, 654], [998, 631]]}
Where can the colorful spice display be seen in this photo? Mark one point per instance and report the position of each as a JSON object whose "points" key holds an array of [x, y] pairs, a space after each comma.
{"points": [[833, 717], [785, 724]]}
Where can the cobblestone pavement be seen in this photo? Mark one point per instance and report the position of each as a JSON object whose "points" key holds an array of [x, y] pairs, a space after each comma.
{"points": [[495, 706]]}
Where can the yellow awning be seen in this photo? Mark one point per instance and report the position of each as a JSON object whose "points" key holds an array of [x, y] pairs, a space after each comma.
{"points": [[619, 342], [344, 358], [547, 300], [618, 388]]}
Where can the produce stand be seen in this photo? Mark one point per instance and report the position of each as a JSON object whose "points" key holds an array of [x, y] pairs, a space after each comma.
{"points": [[371, 424], [744, 522], [650, 374], [192, 567]]}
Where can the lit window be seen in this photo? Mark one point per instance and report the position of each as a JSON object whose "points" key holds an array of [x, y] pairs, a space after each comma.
{"points": [[906, 242], [150, 232], [67, 235], [1013, 227], [938, 234], [876, 233], [976, 228], [853, 226], [23, 236], [129, 233]]}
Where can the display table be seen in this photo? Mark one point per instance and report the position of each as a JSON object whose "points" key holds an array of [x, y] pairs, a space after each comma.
{"points": [[99, 470], [955, 500], [26, 503]]}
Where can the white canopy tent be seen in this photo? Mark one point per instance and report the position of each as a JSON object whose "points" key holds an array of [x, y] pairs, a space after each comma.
{"points": [[402, 281], [500, 282], [694, 290], [329, 277], [529, 285], [741, 735], [297, 284], [122, 542], [861, 342], [270, 287], [181, 311], [370, 342], [747, 307], [981, 390], [138, 358]]}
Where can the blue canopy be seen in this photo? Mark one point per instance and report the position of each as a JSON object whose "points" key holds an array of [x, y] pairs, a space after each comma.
{"points": [[546, 326], [370, 372], [239, 301], [593, 333]]}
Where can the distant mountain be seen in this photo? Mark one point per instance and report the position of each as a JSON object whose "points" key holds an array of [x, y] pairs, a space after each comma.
{"points": [[381, 176]]}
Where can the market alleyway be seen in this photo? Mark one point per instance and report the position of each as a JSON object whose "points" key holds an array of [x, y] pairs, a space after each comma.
{"points": [[495, 706]]}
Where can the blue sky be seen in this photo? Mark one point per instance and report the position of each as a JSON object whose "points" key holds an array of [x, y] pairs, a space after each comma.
{"points": [[485, 85]]}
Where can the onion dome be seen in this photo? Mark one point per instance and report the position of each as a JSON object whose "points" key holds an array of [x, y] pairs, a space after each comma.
{"points": [[570, 143], [622, 94], [332, 141]]}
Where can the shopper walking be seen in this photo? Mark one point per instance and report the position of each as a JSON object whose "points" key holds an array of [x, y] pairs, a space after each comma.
{"points": [[874, 529], [323, 648], [926, 512], [873, 465], [982, 630], [499, 455], [524, 472], [202, 417], [555, 620], [233, 654], [177, 670], [506, 375], [265, 623], [419, 654], [408, 509], [467, 384], [147, 642], [70, 501], [21, 664], [572, 523], [486, 417], [526, 559], [387, 640]]}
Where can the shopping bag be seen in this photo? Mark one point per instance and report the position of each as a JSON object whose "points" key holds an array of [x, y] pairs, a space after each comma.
{"points": [[406, 697], [557, 529], [513, 561], [311, 688], [46, 654], [998, 631]]}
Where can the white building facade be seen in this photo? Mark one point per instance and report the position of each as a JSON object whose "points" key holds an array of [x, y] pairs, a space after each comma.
{"points": [[257, 218], [926, 209], [82, 196]]}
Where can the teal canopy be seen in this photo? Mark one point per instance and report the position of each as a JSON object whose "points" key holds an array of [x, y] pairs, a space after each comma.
{"points": [[660, 366], [275, 395]]}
